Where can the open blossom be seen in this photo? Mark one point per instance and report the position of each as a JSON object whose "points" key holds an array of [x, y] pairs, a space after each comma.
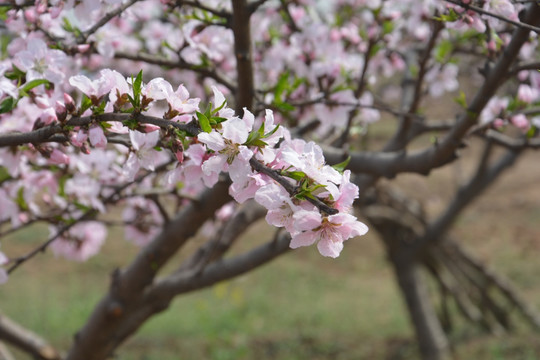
{"points": [[309, 158], [93, 88], [228, 148], [144, 155], [81, 241], [328, 231], [97, 136], [40, 62], [179, 100], [279, 204]]}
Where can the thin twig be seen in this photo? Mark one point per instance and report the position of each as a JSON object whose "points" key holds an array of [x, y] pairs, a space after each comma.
{"points": [[496, 16]]}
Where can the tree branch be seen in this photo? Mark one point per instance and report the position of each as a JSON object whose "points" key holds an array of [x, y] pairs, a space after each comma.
{"points": [[118, 314], [45, 134], [242, 50], [25, 340], [474, 8], [287, 185]]}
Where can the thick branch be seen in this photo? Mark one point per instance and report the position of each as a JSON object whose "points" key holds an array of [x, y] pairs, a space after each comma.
{"points": [[104, 330], [216, 247], [242, 51]]}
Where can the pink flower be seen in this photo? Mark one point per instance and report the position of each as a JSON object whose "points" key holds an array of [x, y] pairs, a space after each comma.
{"points": [[345, 195], [527, 94], [81, 241], [228, 149], [48, 116], [279, 204], [40, 62], [93, 88], [309, 158], [159, 89], [521, 122], [330, 232], [144, 155], [58, 157], [493, 109], [79, 138], [97, 136]]}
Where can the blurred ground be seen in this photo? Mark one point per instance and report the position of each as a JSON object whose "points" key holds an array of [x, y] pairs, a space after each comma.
{"points": [[301, 306]]}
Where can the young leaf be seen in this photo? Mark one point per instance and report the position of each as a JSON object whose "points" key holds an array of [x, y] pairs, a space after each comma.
{"points": [[204, 122], [7, 105], [342, 165], [30, 85], [85, 104]]}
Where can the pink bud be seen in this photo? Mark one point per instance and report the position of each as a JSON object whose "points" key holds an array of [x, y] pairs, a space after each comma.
{"points": [[83, 48], [48, 116], [60, 109], [57, 157], [148, 128], [492, 45], [69, 102], [30, 15], [498, 123]]}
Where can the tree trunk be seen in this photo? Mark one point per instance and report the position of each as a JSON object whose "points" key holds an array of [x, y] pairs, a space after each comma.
{"points": [[432, 340]]}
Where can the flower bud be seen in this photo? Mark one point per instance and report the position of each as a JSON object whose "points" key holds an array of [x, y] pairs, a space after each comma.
{"points": [[57, 157], [69, 103], [61, 112]]}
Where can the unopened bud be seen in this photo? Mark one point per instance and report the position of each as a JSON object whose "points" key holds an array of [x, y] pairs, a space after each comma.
{"points": [[83, 48], [69, 103], [148, 128], [61, 112]]}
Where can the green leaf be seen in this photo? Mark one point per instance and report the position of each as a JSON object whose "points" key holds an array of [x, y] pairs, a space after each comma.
{"points": [[342, 165], [295, 175], [137, 84], [531, 132], [4, 174], [15, 74], [7, 105], [219, 108], [32, 84], [270, 133], [204, 122], [85, 104], [443, 50], [450, 17], [218, 119], [461, 100], [20, 199]]}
